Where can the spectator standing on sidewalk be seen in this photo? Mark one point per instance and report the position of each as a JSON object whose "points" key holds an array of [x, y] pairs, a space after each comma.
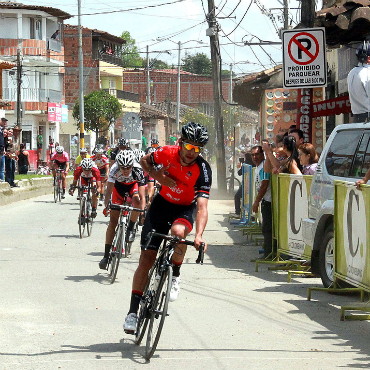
{"points": [[359, 84], [263, 188], [10, 158], [23, 160], [3, 123]]}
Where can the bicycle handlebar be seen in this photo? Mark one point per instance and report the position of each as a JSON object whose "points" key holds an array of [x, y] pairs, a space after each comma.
{"points": [[176, 239], [126, 207]]}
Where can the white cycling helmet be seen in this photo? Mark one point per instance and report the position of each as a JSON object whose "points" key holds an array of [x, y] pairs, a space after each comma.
{"points": [[87, 164], [138, 154], [59, 149], [125, 158], [98, 150], [83, 150]]}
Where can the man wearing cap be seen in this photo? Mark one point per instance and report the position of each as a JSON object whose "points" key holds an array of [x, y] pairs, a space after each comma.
{"points": [[3, 123], [359, 85]]}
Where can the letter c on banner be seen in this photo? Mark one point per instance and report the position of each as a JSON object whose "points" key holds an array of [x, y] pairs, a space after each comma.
{"points": [[349, 222], [292, 206]]}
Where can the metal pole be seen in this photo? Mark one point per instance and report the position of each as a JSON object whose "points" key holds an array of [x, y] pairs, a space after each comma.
{"points": [[286, 14], [81, 79], [178, 102], [147, 76], [19, 89]]}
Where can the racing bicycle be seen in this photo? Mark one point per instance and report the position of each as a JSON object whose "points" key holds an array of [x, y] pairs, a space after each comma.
{"points": [[85, 220], [58, 181], [154, 302], [121, 247]]}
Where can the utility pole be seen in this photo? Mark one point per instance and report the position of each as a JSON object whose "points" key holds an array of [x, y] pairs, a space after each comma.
{"points": [[178, 100], [286, 14], [212, 32], [230, 120], [167, 128], [147, 76], [81, 79], [19, 88], [308, 13]]}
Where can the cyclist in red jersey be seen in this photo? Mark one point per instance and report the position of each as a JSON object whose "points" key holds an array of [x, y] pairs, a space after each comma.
{"points": [[186, 180], [87, 172], [102, 162], [60, 160]]}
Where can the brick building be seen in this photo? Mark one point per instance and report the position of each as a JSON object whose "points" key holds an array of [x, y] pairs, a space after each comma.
{"points": [[196, 90]]}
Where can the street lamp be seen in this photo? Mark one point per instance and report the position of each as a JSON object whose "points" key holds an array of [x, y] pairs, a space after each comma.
{"points": [[178, 103]]}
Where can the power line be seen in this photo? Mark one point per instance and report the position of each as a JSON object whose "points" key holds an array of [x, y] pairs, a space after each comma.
{"points": [[250, 4]]}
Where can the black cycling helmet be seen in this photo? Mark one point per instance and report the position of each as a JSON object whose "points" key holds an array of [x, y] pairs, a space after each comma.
{"points": [[122, 142], [195, 132], [154, 141]]}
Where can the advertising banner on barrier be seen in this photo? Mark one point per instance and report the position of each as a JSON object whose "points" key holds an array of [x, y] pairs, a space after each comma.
{"points": [[351, 228], [293, 191], [275, 203]]}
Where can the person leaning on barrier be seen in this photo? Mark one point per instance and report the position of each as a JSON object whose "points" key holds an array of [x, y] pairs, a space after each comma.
{"points": [[263, 189], [308, 158], [289, 165], [364, 180], [359, 84]]}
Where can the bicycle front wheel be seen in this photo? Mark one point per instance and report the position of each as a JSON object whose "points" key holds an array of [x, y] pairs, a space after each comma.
{"points": [[55, 191], [59, 189], [232, 187], [145, 303], [89, 219], [115, 254], [82, 218], [158, 312]]}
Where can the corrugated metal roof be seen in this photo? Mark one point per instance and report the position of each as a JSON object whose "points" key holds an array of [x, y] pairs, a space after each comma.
{"points": [[52, 11], [345, 22], [4, 64]]}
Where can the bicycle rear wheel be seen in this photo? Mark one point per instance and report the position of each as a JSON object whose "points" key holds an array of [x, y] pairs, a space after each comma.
{"points": [[115, 254], [158, 311], [82, 218], [89, 219], [231, 187]]}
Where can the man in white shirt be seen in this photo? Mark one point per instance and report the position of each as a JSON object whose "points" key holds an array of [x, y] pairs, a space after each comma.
{"points": [[359, 85]]}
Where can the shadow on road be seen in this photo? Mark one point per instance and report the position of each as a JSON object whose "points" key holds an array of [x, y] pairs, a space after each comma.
{"points": [[324, 309], [65, 236]]}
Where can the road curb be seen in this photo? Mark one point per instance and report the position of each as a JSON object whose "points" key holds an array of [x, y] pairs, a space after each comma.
{"points": [[27, 189]]}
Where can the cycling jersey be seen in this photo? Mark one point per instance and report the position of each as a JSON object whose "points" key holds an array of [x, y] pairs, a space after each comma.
{"points": [[100, 163], [136, 175], [193, 181], [79, 159], [94, 173], [60, 158]]}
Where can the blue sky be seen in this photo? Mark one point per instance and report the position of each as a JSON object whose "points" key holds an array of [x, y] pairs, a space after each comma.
{"points": [[184, 21]]}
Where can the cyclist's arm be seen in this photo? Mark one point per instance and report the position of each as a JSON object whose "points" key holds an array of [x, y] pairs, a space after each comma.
{"points": [[108, 193], [67, 167], [107, 170], [142, 196], [201, 221]]}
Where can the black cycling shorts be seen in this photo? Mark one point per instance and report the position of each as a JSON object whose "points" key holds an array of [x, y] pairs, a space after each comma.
{"points": [[103, 171], [161, 215], [61, 165]]}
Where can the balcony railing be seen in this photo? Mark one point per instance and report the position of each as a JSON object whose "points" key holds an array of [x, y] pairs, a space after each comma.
{"points": [[54, 45], [108, 58], [33, 95], [126, 95]]}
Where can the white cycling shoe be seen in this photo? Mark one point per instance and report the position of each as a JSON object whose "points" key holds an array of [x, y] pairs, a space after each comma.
{"points": [[130, 323], [175, 289]]}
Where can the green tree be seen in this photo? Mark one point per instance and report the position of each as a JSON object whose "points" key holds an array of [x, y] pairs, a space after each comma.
{"points": [[130, 52], [101, 110], [199, 64]]}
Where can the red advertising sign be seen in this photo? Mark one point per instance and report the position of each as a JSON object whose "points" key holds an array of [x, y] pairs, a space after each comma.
{"points": [[332, 107], [304, 113], [54, 112]]}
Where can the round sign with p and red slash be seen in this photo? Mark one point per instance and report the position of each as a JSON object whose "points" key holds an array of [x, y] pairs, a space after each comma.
{"points": [[304, 58]]}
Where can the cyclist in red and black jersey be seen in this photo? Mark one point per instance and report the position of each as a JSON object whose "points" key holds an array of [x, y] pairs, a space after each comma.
{"points": [[186, 180], [102, 162]]}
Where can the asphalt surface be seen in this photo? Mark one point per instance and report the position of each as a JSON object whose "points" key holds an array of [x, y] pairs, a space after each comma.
{"points": [[59, 311]]}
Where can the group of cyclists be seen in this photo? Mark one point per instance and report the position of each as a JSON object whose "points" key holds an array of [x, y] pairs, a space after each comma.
{"points": [[185, 180]]}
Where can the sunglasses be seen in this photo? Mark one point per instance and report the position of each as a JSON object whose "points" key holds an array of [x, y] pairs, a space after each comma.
{"points": [[125, 168], [197, 148], [155, 145]]}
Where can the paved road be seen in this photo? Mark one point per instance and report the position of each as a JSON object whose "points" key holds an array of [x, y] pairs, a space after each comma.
{"points": [[58, 310]]}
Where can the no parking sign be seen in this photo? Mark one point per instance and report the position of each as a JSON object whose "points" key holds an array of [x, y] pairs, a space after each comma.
{"points": [[304, 58]]}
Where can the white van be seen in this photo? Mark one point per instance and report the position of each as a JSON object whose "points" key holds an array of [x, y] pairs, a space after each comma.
{"points": [[346, 156]]}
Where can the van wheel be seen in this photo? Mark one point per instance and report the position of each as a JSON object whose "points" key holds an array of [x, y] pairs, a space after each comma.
{"points": [[326, 258]]}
